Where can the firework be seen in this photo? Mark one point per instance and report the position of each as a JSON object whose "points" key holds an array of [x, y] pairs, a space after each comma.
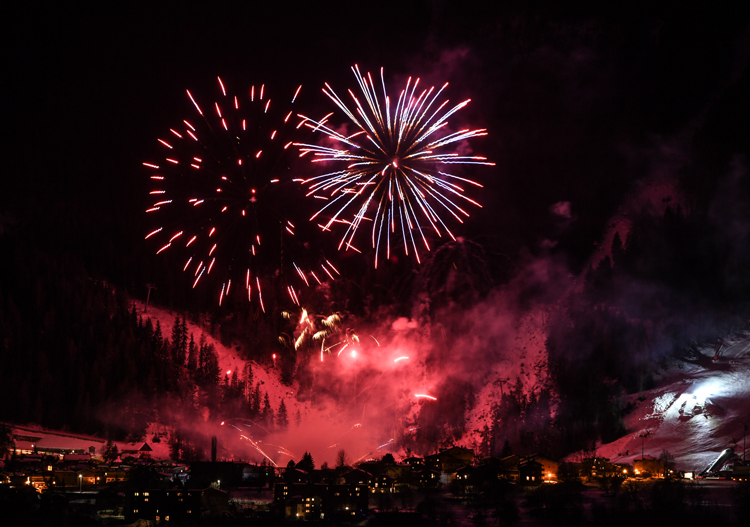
{"points": [[219, 191], [394, 170]]}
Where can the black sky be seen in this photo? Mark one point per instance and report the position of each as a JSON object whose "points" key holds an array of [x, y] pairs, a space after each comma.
{"points": [[576, 100]]}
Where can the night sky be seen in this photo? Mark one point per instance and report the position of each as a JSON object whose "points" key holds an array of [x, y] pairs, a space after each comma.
{"points": [[583, 105]]}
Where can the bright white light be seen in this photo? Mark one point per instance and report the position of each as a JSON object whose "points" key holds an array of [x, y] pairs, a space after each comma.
{"points": [[708, 388]]}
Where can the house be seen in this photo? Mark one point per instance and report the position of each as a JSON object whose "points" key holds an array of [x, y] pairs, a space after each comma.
{"points": [[167, 505], [383, 483], [450, 460], [112, 475], [468, 478], [415, 462], [295, 475], [307, 508], [356, 477], [428, 478], [315, 501], [530, 473], [145, 451], [549, 467], [508, 468]]}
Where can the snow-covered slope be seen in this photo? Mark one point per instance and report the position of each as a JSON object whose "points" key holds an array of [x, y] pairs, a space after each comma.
{"points": [[698, 410]]}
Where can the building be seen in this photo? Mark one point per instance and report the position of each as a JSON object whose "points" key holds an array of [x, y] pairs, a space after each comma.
{"points": [[450, 460], [549, 467], [318, 501], [530, 473], [145, 451], [163, 505], [649, 467]]}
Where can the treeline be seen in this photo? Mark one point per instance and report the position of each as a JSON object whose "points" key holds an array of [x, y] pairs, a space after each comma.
{"points": [[77, 355]]}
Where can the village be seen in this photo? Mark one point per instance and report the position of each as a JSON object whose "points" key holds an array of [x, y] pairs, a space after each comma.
{"points": [[132, 486]]}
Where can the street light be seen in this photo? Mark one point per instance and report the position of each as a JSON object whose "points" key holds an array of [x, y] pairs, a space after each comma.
{"points": [[80, 483], [643, 438]]}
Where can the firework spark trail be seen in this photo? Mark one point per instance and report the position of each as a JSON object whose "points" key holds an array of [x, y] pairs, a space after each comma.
{"points": [[425, 396], [392, 166], [219, 196], [390, 441], [256, 447]]}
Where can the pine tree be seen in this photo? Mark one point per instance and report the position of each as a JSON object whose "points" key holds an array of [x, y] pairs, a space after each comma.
{"points": [[255, 399], [247, 375], [282, 419], [306, 463], [234, 385], [266, 413], [184, 335], [110, 451], [192, 360], [178, 339], [208, 366], [157, 339]]}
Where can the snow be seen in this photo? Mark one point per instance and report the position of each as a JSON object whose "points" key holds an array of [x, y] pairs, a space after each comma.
{"points": [[696, 413]]}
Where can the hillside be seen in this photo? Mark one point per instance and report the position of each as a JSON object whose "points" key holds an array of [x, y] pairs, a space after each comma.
{"points": [[697, 410]]}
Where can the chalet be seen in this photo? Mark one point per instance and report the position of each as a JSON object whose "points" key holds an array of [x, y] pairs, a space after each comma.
{"points": [[295, 475], [145, 451], [415, 462], [357, 477], [428, 478], [113, 475], [530, 473], [468, 479], [313, 501], [549, 467], [383, 483], [508, 468], [450, 460], [399, 470]]}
